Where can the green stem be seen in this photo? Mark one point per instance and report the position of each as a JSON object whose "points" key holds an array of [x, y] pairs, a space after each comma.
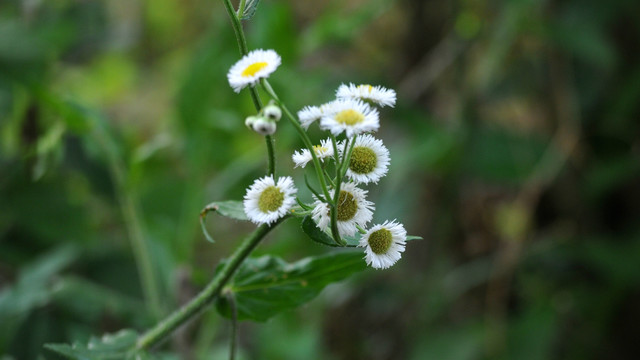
{"points": [[130, 212], [335, 233], [303, 135], [244, 50], [271, 156], [141, 251], [333, 203], [237, 27], [347, 158], [328, 177], [341, 169], [334, 144], [241, 8], [210, 292]]}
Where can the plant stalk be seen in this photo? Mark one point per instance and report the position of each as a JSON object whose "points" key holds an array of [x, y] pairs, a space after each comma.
{"points": [[305, 139], [213, 289], [210, 292], [133, 224], [244, 50]]}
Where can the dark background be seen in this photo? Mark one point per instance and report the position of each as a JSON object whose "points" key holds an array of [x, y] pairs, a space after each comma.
{"points": [[515, 148]]}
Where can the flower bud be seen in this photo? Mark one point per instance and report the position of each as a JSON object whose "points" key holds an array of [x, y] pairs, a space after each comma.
{"points": [[264, 126], [272, 112], [250, 120]]}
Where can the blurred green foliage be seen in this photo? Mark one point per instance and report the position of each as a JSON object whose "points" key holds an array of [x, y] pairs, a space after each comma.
{"points": [[515, 154]]}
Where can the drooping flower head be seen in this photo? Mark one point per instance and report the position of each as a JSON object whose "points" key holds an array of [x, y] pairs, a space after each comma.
{"points": [[350, 116], [267, 201], [353, 208], [256, 65], [371, 94], [324, 150], [369, 159], [384, 244]]}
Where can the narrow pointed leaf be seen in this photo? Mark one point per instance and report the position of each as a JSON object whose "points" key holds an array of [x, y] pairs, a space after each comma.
{"points": [[231, 209], [249, 9]]}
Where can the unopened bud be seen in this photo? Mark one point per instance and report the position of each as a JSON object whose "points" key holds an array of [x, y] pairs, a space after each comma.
{"points": [[272, 112], [264, 126], [250, 120]]}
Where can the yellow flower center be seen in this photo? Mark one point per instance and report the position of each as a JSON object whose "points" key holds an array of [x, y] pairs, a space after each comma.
{"points": [[252, 69], [363, 160], [380, 241], [319, 149], [349, 117], [271, 199], [347, 206], [367, 87]]}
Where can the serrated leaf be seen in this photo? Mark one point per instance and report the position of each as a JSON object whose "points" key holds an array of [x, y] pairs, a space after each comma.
{"points": [[231, 209], [249, 9], [266, 286], [120, 345]]}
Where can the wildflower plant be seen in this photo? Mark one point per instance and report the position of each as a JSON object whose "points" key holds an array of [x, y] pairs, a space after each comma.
{"points": [[342, 164]]}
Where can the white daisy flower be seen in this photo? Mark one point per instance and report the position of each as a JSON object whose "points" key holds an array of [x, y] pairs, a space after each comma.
{"points": [[351, 116], [369, 159], [371, 94], [302, 157], [266, 201], [309, 114], [256, 65], [353, 208], [384, 244]]}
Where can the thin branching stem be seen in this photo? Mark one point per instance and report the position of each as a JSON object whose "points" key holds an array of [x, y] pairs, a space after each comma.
{"points": [[244, 50], [303, 135], [241, 8], [179, 317], [133, 223], [209, 293]]}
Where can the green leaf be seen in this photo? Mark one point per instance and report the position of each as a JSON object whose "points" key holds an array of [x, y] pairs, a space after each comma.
{"points": [[266, 286], [33, 289], [413, 237], [311, 229], [120, 345], [231, 208], [249, 9]]}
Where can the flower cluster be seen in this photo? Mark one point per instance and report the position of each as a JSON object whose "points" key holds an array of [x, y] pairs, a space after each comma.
{"points": [[361, 159], [355, 157]]}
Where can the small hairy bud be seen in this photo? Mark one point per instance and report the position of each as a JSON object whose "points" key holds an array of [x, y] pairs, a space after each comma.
{"points": [[264, 126], [250, 120], [272, 112]]}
